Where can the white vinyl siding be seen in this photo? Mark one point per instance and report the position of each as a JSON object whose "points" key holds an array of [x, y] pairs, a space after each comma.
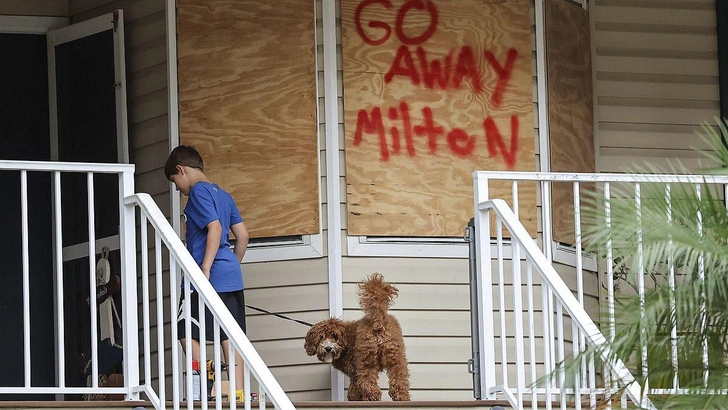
{"points": [[49, 8], [656, 80]]}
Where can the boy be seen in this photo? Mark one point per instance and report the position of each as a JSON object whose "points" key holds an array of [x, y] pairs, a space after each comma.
{"points": [[210, 214]]}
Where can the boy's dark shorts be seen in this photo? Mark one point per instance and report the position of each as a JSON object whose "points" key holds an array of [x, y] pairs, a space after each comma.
{"points": [[234, 301]]}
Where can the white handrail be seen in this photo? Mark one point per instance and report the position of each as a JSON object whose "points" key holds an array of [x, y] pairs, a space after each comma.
{"points": [[207, 293], [600, 177], [564, 295], [102, 168]]}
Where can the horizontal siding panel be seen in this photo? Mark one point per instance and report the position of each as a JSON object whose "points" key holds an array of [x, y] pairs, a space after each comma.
{"points": [[654, 153], [133, 9], [50, 8], [277, 353], [652, 27], [636, 15], [309, 395], [147, 81], [145, 28], [624, 160], [300, 272], [149, 132], [635, 89], [641, 40], [437, 349], [700, 112], [151, 158], [151, 183], [661, 4], [436, 376], [656, 65], [80, 6], [147, 54], [148, 106], [302, 378], [626, 135], [267, 327], [287, 299], [407, 270]]}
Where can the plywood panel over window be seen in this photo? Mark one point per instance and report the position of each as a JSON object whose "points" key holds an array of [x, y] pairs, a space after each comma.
{"points": [[433, 91], [571, 130], [248, 104]]}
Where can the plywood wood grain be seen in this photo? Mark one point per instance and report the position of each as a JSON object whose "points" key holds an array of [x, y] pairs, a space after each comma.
{"points": [[571, 116], [432, 94], [248, 104]]}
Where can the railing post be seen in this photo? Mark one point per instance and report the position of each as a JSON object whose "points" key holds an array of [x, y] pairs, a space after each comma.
{"points": [[127, 242], [474, 362], [485, 291]]}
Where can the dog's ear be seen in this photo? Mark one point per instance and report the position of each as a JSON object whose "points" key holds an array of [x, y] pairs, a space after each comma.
{"points": [[342, 341], [311, 341]]}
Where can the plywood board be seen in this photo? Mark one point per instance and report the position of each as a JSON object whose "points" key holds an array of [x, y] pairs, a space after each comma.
{"points": [[248, 104], [568, 55], [432, 92]]}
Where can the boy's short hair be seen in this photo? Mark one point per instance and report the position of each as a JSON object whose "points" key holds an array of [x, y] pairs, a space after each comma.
{"points": [[184, 155]]}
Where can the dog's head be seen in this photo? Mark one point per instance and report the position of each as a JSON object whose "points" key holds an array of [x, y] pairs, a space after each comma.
{"points": [[326, 340]]}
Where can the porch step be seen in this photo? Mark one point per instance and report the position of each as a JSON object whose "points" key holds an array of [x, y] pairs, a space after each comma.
{"points": [[73, 405], [308, 405], [402, 405]]}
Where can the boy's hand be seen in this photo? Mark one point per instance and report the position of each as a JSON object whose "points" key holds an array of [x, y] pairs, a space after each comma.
{"points": [[206, 272]]}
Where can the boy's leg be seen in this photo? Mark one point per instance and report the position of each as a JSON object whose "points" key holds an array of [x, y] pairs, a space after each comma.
{"points": [[181, 327], [235, 302], [195, 348], [239, 365]]}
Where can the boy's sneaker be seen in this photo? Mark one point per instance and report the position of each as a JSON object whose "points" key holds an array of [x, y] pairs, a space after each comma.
{"points": [[240, 396]]}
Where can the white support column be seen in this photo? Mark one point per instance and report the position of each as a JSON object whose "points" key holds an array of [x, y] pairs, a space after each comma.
{"points": [[127, 242], [333, 198], [485, 291], [543, 124], [173, 106]]}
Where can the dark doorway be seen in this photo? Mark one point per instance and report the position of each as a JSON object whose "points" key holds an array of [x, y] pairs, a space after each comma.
{"points": [[25, 136], [86, 93]]}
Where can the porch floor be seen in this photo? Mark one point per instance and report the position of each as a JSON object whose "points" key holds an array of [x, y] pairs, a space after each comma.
{"points": [[310, 405]]}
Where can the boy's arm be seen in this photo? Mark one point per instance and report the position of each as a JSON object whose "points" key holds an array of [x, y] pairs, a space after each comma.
{"points": [[214, 233], [241, 239]]}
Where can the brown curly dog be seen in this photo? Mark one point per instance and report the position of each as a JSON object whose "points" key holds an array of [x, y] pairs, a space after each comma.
{"points": [[363, 348]]}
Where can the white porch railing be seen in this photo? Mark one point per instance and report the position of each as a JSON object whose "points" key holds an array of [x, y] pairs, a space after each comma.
{"points": [[530, 320], [157, 306]]}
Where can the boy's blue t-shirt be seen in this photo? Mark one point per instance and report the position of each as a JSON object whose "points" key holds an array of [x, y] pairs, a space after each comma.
{"points": [[207, 203]]}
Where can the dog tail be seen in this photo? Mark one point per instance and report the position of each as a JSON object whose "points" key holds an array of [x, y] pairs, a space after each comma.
{"points": [[376, 295]]}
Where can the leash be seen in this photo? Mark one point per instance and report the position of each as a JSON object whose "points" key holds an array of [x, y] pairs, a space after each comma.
{"points": [[280, 316]]}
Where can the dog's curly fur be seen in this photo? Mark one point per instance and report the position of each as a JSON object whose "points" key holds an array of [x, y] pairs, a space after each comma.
{"points": [[363, 348]]}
